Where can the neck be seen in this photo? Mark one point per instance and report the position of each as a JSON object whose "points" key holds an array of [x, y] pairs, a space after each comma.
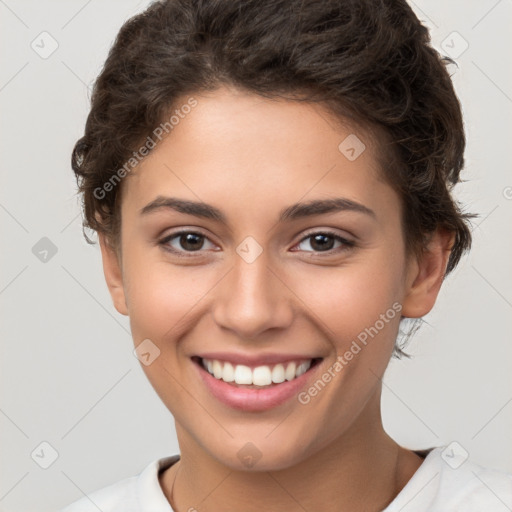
{"points": [[362, 469]]}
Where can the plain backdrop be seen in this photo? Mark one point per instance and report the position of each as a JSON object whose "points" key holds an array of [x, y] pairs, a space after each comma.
{"points": [[68, 376]]}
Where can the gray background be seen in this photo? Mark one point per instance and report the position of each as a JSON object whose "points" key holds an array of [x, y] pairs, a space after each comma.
{"points": [[68, 375]]}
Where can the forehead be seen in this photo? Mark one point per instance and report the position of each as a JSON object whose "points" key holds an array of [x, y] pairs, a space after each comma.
{"points": [[240, 151]]}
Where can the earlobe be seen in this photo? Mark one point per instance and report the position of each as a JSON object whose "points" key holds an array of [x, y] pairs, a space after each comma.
{"points": [[426, 275], [113, 275]]}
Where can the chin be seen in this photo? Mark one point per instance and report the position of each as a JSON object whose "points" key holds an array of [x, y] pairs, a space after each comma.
{"points": [[260, 454]]}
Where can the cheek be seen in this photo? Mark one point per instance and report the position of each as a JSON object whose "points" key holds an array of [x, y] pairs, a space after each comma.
{"points": [[161, 296], [351, 298]]}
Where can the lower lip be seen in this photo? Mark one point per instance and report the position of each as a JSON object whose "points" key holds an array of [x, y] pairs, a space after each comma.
{"points": [[252, 399]]}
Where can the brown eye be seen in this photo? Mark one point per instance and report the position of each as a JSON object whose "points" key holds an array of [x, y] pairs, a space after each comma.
{"points": [[191, 241], [185, 242], [324, 241]]}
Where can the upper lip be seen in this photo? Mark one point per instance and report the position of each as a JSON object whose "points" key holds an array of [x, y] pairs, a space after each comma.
{"points": [[254, 360]]}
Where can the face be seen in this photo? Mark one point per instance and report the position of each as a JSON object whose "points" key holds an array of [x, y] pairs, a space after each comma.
{"points": [[228, 268]]}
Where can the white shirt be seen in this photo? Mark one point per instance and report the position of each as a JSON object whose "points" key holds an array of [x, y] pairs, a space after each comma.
{"points": [[435, 487]]}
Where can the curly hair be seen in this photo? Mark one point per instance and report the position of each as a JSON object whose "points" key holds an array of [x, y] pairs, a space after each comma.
{"points": [[368, 61]]}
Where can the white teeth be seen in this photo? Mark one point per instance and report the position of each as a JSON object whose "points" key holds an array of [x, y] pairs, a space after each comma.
{"points": [[228, 373], [243, 374], [289, 373], [302, 368], [260, 376], [217, 369], [278, 374]]}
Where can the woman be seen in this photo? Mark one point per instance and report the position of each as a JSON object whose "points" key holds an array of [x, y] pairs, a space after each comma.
{"points": [[271, 186]]}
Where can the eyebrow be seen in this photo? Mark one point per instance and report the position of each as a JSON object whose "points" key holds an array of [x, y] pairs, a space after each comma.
{"points": [[293, 212]]}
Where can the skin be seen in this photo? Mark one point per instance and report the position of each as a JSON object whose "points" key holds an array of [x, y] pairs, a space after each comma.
{"points": [[251, 157]]}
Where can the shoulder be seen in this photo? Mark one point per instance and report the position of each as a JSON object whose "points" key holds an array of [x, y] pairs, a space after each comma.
{"points": [[449, 480], [472, 487], [133, 494]]}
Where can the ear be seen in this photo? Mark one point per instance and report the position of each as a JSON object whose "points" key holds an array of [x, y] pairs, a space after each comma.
{"points": [[426, 274], [113, 274]]}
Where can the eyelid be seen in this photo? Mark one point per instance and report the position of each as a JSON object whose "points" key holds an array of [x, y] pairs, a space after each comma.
{"points": [[328, 231], [164, 241], [347, 243]]}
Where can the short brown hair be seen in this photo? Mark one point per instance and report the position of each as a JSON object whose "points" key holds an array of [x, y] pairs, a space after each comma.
{"points": [[369, 60]]}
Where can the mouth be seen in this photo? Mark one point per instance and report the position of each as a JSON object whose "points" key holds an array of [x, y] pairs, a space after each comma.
{"points": [[256, 377], [255, 387]]}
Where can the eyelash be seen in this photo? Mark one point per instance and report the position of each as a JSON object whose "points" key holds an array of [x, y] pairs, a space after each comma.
{"points": [[346, 244]]}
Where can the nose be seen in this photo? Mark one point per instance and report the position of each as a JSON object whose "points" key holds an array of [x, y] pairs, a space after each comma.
{"points": [[253, 298]]}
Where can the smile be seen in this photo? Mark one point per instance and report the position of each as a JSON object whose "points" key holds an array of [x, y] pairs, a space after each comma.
{"points": [[259, 376], [255, 385]]}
